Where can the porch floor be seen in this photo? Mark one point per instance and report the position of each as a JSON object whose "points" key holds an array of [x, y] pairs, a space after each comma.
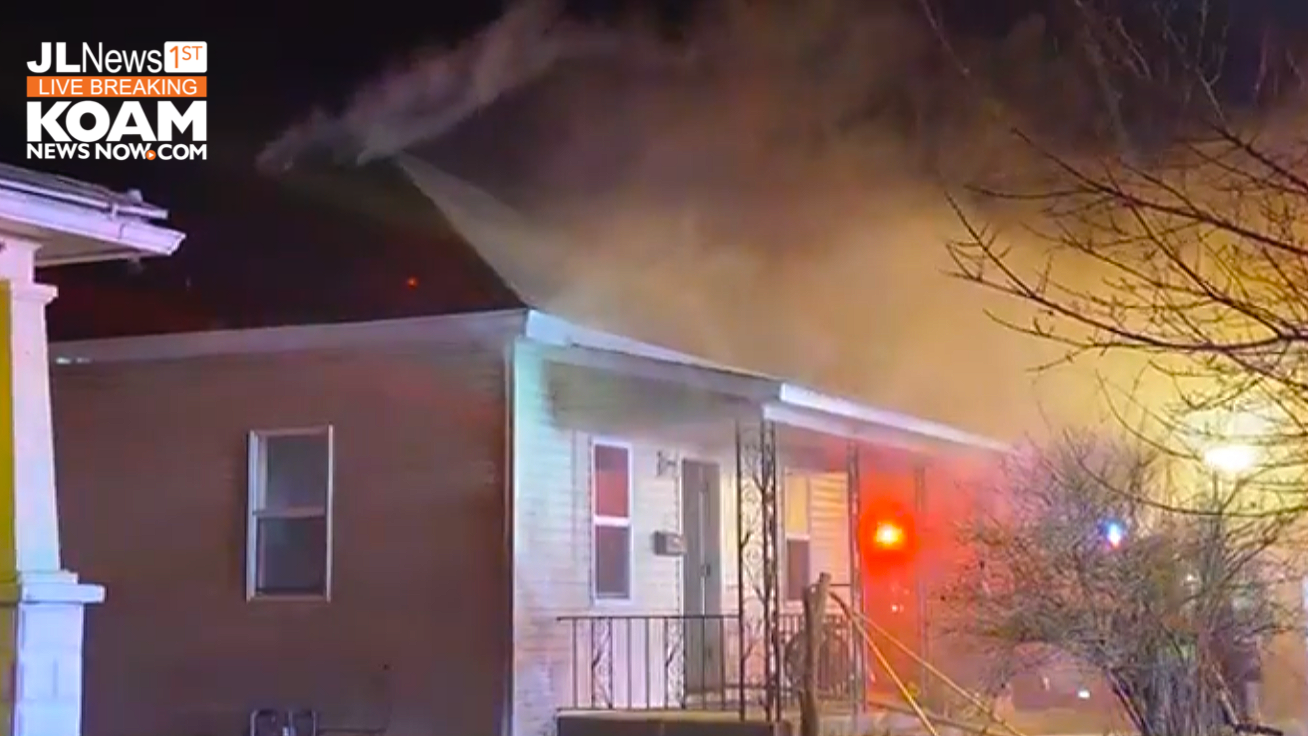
{"points": [[837, 720]]}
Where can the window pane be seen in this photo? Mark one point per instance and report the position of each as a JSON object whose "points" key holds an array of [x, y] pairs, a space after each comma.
{"points": [[292, 556], [296, 471], [796, 505], [797, 572], [612, 561], [612, 481]]}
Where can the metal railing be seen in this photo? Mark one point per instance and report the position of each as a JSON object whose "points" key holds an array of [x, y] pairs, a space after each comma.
{"points": [[839, 676], [631, 662]]}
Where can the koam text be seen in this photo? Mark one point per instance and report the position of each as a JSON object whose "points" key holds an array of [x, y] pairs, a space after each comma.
{"points": [[64, 122]]}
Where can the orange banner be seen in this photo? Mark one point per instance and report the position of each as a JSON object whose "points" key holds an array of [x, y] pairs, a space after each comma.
{"points": [[67, 87]]}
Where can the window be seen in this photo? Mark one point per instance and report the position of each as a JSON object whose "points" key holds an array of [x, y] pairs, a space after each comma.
{"points": [[611, 498], [288, 546], [795, 510]]}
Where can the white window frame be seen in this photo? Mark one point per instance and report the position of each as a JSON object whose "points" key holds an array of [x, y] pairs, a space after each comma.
{"points": [[805, 536], [597, 520], [255, 511]]}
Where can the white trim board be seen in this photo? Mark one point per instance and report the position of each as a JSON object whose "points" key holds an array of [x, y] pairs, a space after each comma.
{"points": [[180, 346], [804, 399]]}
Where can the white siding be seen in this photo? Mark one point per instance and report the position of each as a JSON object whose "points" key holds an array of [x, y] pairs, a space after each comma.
{"points": [[828, 529], [558, 412], [551, 556], [553, 553], [828, 539], [634, 645], [829, 520]]}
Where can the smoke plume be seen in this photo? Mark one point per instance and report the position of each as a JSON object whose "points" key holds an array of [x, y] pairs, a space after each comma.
{"points": [[766, 189]]}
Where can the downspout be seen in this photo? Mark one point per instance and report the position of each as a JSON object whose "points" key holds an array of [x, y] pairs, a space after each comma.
{"points": [[509, 623]]}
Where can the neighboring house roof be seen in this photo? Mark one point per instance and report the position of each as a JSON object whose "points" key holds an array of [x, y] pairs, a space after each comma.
{"points": [[780, 400]]}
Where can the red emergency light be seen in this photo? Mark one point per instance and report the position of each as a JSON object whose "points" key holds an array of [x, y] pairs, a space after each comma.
{"points": [[887, 539], [888, 536]]}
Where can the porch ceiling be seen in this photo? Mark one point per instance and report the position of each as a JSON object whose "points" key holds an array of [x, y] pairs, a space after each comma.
{"points": [[597, 393], [613, 382]]}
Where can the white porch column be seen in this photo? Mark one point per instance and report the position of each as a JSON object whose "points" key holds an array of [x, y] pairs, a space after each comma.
{"points": [[41, 604]]}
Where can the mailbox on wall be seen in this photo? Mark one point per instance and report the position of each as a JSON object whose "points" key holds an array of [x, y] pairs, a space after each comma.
{"points": [[669, 544]]}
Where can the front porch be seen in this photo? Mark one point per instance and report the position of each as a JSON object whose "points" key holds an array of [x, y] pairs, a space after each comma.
{"points": [[736, 492], [704, 663], [759, 520], [836, 720]]}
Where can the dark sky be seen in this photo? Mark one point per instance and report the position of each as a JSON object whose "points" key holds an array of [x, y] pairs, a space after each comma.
{"points": [[251, 240]]}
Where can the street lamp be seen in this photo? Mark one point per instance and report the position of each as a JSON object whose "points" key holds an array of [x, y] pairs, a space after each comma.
{"points": [[1230, 439]]}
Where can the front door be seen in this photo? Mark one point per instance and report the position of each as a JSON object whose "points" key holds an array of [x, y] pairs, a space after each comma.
{"points": [[705, 626]]}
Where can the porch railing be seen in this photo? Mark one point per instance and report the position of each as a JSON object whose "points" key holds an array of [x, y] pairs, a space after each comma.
{"points": [[695, 662]]}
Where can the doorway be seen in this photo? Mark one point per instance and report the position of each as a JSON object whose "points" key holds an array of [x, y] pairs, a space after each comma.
{"points": [[705, 626]]}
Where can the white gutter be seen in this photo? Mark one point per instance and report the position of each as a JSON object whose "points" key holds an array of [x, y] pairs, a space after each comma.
{"points": [[802, 398], [104, 223]]}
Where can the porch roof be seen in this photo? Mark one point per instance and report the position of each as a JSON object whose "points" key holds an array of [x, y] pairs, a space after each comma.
{"points": [[76, 222], [780, 401]]}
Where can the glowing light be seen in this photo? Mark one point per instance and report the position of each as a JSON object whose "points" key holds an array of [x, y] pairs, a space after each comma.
{"points": [[1115, 534], [888, 536], [1231, 459], [887, 539], [412, 282], [1083, 694]]}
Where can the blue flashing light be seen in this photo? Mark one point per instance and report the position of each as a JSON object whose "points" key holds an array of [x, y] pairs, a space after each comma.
{"points": [[1115, 534]]}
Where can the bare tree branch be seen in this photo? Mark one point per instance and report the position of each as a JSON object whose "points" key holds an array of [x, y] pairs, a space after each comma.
{"points": [[1182, 235], [1168, 614]]}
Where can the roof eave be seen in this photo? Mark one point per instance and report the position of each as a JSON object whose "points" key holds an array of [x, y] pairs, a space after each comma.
{"points": [[109, 235], [843, 416], [816, 402]]}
